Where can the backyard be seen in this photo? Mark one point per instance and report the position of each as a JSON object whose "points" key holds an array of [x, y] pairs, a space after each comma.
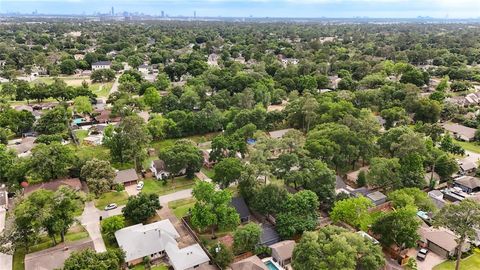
{"points": [[160, 188], [470, 146], [470, 263], [75, 233], [120, 198], [180, 207]]}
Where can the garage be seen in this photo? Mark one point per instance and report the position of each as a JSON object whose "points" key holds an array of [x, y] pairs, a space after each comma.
{"points": [[437, 249]]}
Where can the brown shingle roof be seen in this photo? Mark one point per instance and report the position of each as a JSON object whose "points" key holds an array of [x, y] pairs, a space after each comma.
{"points": [[284, 249], [468, 181], [126, 176], [74, 183], [250, 263]]}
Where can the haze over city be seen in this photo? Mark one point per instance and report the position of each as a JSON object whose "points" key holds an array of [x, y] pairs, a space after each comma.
{"points": [[255, 8]]}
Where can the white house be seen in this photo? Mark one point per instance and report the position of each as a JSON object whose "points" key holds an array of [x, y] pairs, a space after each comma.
{"points": [[101, 65], [157, 240], [159, 170], [144, 68]]}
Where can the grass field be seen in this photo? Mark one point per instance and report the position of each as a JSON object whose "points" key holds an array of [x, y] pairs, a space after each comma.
{"points": [[180, 207], [120, 198], [81, 134], [75, 233], [208, 172], [159, 188], [469, 263], [470, 146]]}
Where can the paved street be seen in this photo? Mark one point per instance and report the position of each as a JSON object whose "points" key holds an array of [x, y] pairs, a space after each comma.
{"points": [[182, 194]]}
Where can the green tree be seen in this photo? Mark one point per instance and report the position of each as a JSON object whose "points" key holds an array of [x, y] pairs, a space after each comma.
{"points": [[54, 121], [112, 224], [384, 173], [68, 66], [222, 255], [398, 227], [63, 207], [446, 166], [7, 159], [247, 237], [412, 173], [212, 208], [353, 211], [298, 215], [336, 248], [82, 105], [461, 219], [270, 199], [151, 97], [141, 207], [88, 259], [99, 175], [129, 141], [183, 155], [227, 171], [428, 111], [159, 127], [51, 161], [411, 196]]}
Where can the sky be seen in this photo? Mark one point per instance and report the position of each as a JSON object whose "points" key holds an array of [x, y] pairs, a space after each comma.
{"points": [[257, 8]]}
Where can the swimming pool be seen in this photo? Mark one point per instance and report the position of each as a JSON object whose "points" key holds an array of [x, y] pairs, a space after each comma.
{"points": [[271, 266]]}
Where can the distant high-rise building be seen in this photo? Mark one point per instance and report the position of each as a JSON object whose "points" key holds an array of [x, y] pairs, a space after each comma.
{"points": [[163, 13], [195, 14], [113, 11]]}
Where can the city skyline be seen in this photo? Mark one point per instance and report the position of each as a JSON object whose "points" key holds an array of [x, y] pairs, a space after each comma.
{"points": [[255, 8]]}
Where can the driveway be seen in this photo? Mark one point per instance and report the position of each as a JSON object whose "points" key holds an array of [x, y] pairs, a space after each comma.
{"points": [[5, 259], [430, 261], [90, 219], [131, 190]]}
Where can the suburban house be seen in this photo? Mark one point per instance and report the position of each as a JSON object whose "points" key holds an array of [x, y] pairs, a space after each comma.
{"points": [[159, 169], [101, 65], [269, 235], [436, 196], [466, 166], [144, 68], [278, 134], [468, 184], [23, 147], [440, 241], [73, 183], [54, 257], [155, 241], [377, 197], [242, 209], [126, 177], [206, 159], [282, 252], [460, 132], [250, 263]]}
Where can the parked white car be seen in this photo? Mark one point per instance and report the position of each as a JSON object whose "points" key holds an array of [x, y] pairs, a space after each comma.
{"points": [[110, 206], [140, 185]]}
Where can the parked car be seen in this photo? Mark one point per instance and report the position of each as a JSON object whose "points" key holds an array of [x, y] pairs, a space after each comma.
{"points": [[422, 254], [140, 185], [111, 206]]}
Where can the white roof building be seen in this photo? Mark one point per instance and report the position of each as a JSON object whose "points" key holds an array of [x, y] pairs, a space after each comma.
{"points": [[155, 240]]}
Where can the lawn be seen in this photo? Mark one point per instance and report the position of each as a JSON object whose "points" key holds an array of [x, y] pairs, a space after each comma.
{"points": [[158, 187], [470, 146], [81, 134], [75, 233], [89, 152], [180, 207], [120, 198], [470, 263], [154, 267], [208, 172], [101, 89], [160, 145]]}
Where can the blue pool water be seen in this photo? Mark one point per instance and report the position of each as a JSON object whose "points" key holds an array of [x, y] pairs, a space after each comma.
{"points": [[271, 266]]}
